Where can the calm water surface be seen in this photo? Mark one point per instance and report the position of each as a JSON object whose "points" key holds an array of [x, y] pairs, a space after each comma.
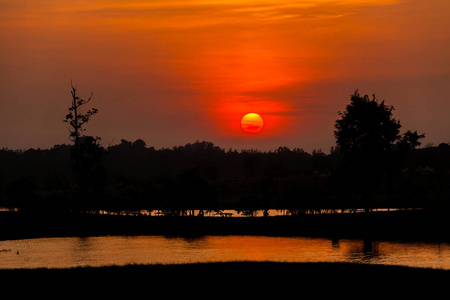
{"points": [[121, 250]]}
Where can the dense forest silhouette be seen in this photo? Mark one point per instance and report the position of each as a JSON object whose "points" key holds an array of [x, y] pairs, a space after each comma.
{"points": [[202, 176]]}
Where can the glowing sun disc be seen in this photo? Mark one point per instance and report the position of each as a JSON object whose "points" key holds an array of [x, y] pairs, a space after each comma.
{"points": [[252, 123]]}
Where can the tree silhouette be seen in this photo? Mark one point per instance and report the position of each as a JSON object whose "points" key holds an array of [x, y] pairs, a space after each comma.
{"points": [[76, 121], [368, 136], [86, 151], [367, 128], [91, 170], [409, 141], [147, 178], [21, 194]]}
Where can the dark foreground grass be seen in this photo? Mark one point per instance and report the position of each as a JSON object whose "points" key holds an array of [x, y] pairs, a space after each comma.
{"points": [[232, 279]]}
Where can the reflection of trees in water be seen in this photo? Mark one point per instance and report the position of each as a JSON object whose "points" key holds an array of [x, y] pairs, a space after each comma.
{"points": [[363, 250], [188, 242], [335, 243]]}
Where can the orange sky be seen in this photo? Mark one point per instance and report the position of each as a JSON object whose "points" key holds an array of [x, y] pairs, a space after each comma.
{"points": [[173, 72]]}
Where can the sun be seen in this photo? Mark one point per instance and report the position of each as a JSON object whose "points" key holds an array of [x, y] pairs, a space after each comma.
{"points": [[252, 123]]}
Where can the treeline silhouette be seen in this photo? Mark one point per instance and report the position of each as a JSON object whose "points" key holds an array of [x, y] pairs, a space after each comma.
{"points": [[372, 166], [201, 175]]}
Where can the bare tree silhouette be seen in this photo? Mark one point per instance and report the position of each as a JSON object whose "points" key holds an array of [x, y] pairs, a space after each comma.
{"points": [[86, 152], [76, 121]]}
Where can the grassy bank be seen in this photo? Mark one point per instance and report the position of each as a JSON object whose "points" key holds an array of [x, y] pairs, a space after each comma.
{"points": [[237, 278]]}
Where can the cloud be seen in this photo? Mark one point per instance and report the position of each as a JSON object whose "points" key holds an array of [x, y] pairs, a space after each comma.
{"points": [[198, 13]]}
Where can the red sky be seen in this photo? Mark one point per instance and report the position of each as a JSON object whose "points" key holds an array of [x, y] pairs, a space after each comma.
{"points": [[173, 72]]}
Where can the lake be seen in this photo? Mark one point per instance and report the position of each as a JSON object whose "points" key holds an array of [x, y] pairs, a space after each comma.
{"points": [[122, 250]]}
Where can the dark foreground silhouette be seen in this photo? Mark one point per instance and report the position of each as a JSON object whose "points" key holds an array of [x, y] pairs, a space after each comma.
{"points": [[429, 226], [236, 279]]}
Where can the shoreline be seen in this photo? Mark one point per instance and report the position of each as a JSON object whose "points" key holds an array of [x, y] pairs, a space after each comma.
{"points": [[403, 225], [254, 277]]}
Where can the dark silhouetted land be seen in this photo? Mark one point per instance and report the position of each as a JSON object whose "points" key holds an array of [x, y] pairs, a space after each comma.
{"points": [[398, 225], [237, 279], [202, 175]]}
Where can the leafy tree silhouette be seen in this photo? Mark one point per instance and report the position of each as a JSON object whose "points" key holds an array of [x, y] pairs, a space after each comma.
{"points": [[368, 136], [367, 128]]}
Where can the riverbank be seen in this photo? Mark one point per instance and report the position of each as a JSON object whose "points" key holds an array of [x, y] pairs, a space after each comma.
{"points": [[398, 225], [238, 278]]}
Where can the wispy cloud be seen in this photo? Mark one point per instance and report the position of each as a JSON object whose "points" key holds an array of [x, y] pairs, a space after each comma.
{"points": [[173, 13]]}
